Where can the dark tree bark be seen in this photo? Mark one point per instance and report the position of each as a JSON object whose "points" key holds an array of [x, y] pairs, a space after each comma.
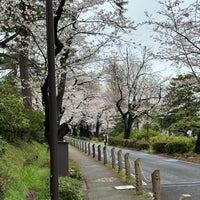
{"points": [[197, 147], [98, 123], [45, 103], [24, 76], [63, 128], [128, 122]]}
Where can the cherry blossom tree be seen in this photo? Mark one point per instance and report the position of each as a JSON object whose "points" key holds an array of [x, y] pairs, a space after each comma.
{"points": [[82, 30], [86, 102], [133, 88], [176, 33]]}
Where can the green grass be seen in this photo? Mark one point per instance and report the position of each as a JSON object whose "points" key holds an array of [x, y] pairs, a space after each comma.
{"points": [[24, 172]]}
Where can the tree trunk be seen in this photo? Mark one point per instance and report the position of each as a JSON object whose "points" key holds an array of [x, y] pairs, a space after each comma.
{"points": [[24, 71], [24, 77], [197, 147], [98, 125], [127, 133], [61, 91], [128, 121], [74, 131], [45, 102]]}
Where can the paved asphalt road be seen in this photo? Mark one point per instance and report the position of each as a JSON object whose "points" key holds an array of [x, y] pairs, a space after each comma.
{"points": [[177, 177]]}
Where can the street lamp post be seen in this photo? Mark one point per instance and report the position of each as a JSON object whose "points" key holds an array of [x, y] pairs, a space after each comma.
{"points": [[53, 138]]}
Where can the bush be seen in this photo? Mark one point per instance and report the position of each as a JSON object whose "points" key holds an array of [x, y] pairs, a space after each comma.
{"points": [[142, 135], [113, 141], [159, 147], [36, 125], [176, 147], [142, 145], [70, 189], [13, 118], [3, 146], [172, 144], [131, 143]]}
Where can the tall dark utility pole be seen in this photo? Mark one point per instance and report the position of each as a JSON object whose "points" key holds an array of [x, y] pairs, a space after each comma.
{"points": [[53, 138]]}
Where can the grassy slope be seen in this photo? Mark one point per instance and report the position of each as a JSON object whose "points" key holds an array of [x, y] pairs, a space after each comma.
{"points": [[24, 171], [24, 174]]}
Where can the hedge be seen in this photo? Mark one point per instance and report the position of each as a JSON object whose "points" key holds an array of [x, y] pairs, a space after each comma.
{"points": [[177, 147], [173, 144], [131, 143], [159, 147]]}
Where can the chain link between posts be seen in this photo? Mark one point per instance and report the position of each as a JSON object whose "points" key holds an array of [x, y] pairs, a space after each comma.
{"points": [[147, 180]]}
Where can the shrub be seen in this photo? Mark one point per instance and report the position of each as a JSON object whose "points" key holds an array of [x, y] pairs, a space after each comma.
{"points": [[3, 146], [159, 147], [172, 144], [139, 135], [142, 145], [70, 189], [177, 147], [123, 142], [13, 118], [160, 138], [132, 143], [113, 141], [36, 124], [74, 171], [120, 135]]}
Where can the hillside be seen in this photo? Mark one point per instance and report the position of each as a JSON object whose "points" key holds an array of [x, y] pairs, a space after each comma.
{"points": [[24, 170]]}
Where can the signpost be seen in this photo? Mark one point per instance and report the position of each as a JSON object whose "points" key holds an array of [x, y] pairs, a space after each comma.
{"points": [[52, 102]]}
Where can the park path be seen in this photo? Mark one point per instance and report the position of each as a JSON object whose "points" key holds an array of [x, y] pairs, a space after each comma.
{"points": [[100, 181]]}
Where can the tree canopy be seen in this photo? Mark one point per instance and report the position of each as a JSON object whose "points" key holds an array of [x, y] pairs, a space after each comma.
{"points": [[181, 105]]}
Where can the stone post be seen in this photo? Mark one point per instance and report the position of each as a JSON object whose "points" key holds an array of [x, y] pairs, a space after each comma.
{"points": [[138, 176], [85, 147], [99, 152], [119, 158], [93, 150], [105, 155], [79, 145], [89, 151], [156, 185], [127, 166], [113, 158]]}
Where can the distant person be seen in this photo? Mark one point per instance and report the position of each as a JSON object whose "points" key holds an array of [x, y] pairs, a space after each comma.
{"points": [[105, 139]]}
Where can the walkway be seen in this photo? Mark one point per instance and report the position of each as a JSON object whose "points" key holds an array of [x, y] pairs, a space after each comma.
{"points": [[100, 181]]}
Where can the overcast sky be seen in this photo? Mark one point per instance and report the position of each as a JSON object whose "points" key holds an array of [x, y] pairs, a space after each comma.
{"points": [[136, 9]]}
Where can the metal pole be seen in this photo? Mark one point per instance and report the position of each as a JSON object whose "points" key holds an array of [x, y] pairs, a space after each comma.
{"points": [[52, 102]]}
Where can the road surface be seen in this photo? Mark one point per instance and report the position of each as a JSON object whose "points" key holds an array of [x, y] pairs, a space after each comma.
{"points": [[177, 177]]}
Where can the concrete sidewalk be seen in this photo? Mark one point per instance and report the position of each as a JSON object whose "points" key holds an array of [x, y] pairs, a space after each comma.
{"points": [[100, 181]]}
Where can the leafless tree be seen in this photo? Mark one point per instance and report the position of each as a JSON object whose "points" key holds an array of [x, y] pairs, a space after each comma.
{"points": [[132, 87]]}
